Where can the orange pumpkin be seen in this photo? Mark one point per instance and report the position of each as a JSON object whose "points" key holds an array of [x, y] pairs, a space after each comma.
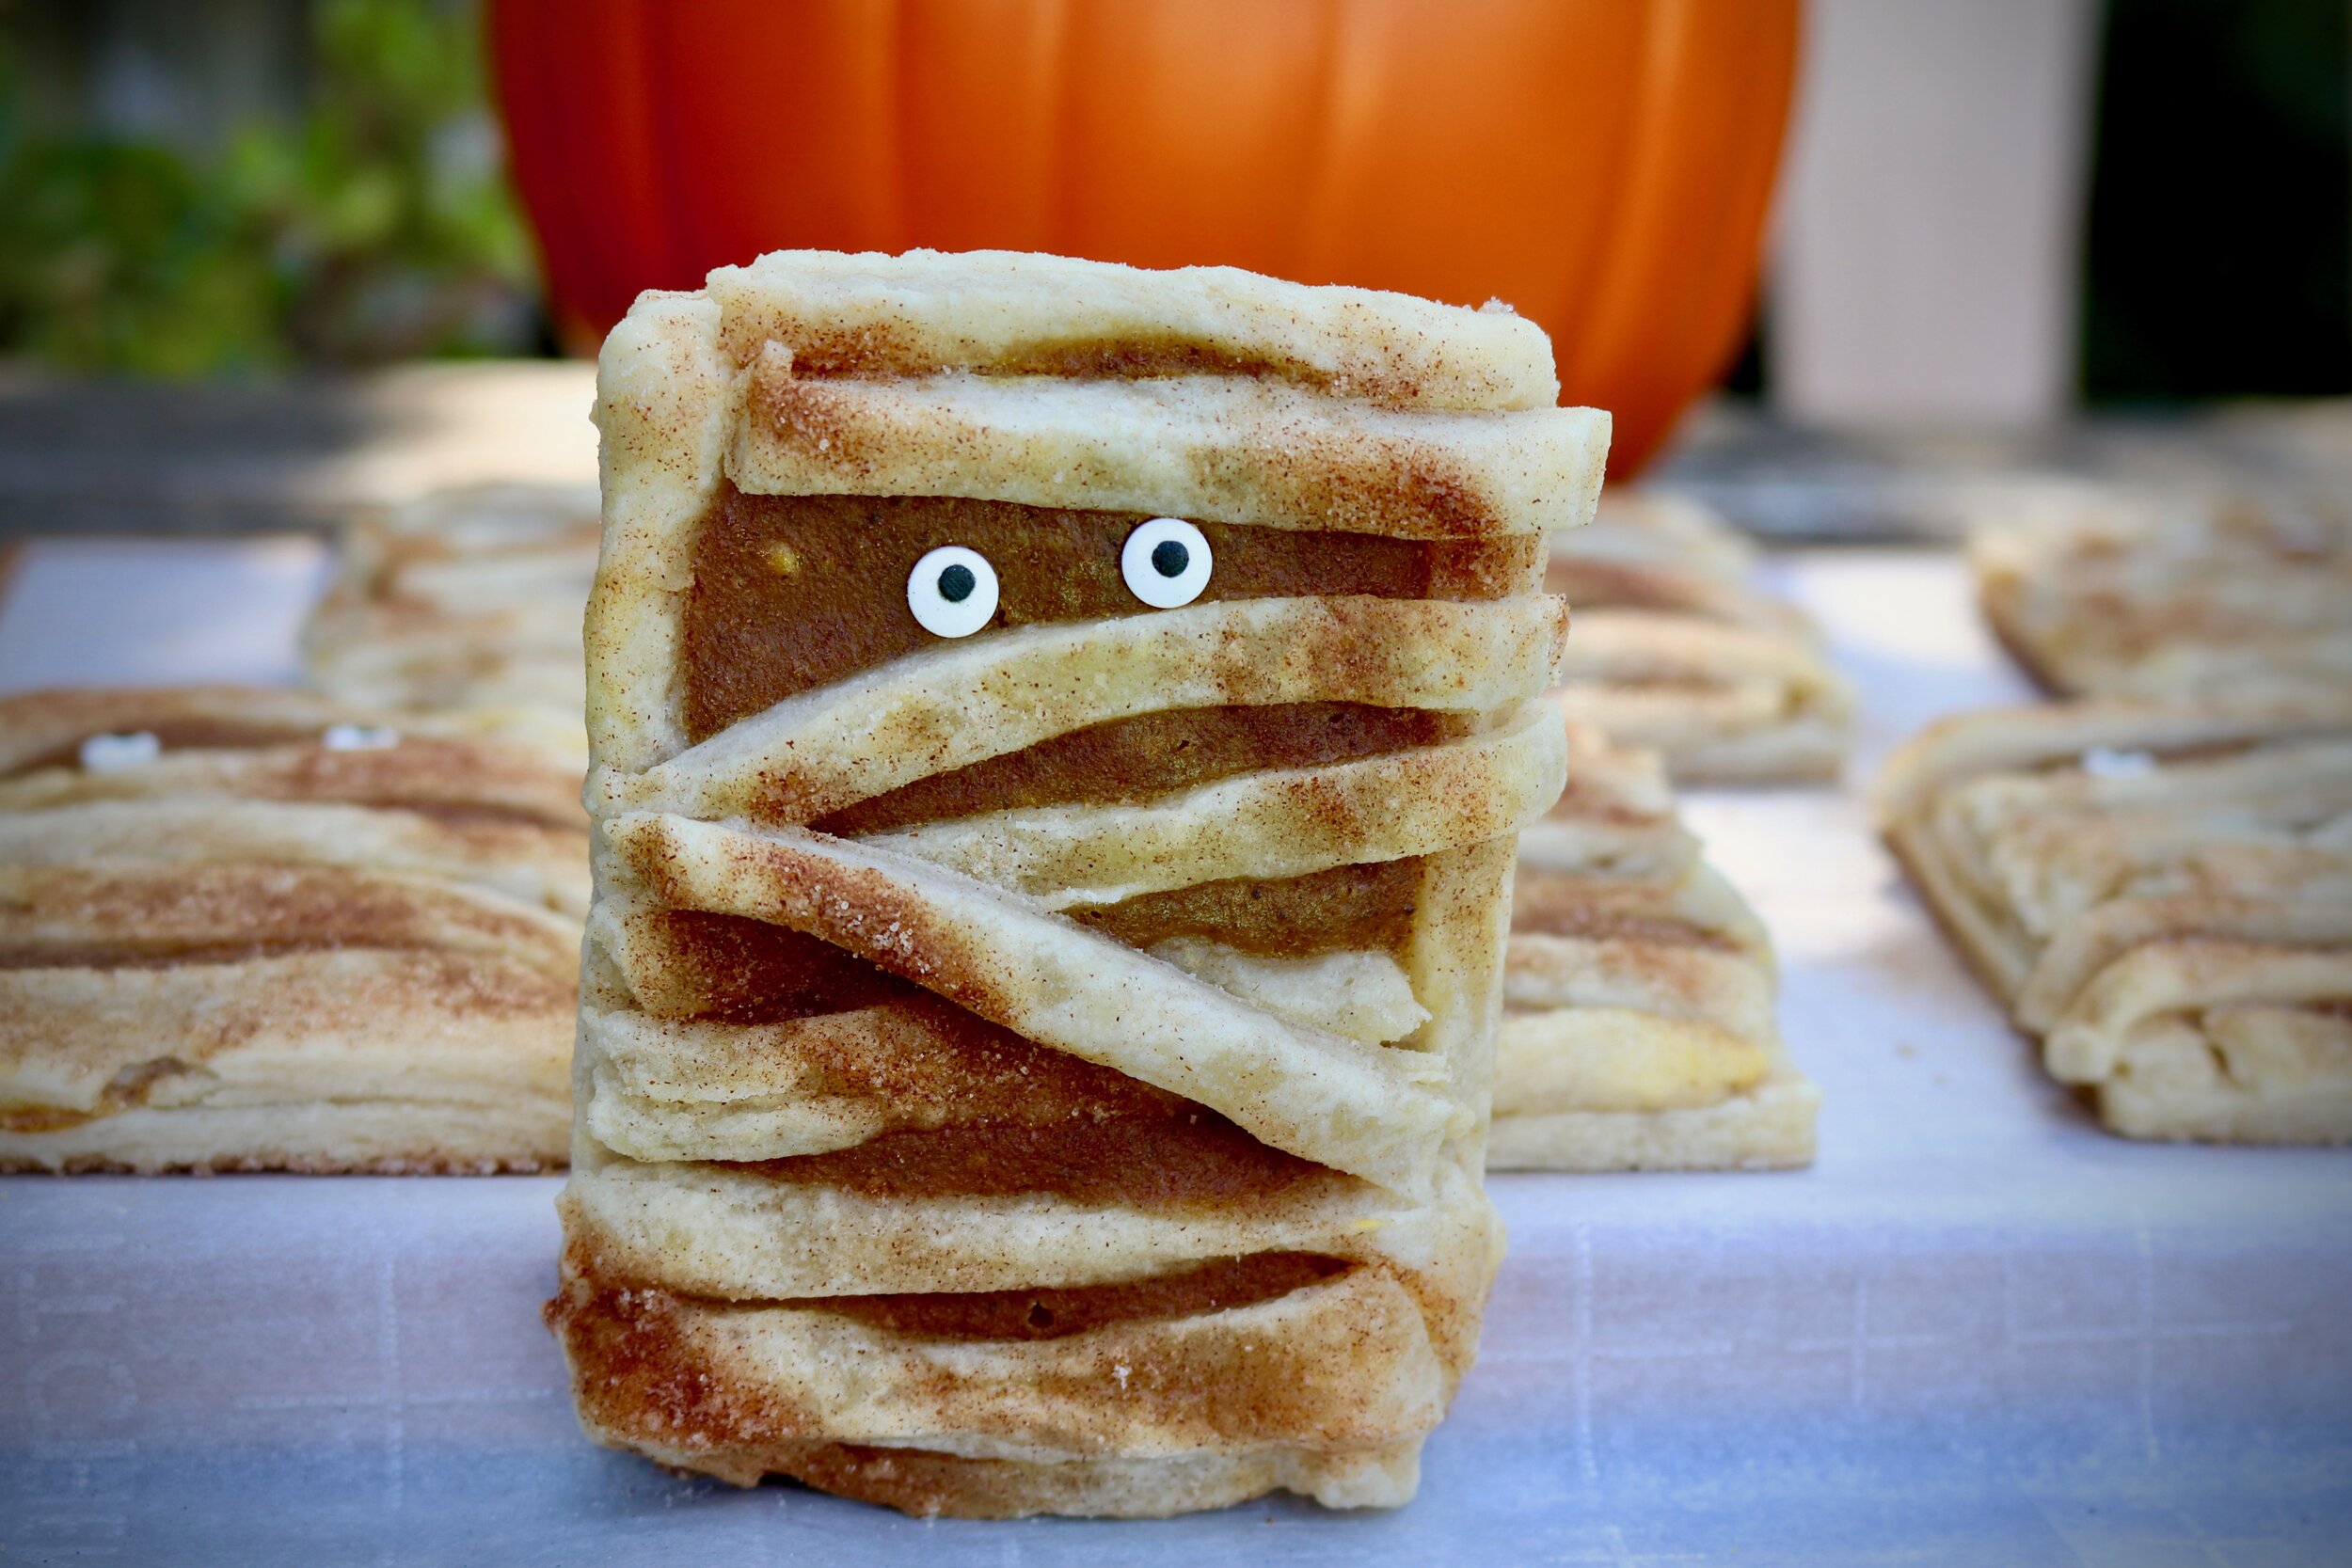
{"points": [[1603, 165]]}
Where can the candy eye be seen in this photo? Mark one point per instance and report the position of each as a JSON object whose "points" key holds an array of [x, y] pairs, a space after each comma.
{"points": [[1166, 562], [952, 590]]}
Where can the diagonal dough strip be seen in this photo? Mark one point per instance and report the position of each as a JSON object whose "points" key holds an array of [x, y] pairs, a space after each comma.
{"points": [[962, 702], [731, 1232], [1357, 1108], [2083, 950], [1285, 822]]}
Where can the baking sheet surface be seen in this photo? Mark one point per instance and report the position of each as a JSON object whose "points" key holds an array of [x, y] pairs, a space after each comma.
{"points": [[1979, 1331]]}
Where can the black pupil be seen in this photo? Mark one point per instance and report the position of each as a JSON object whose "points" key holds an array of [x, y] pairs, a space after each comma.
{"points": [[956, 583], [1170, 557]]}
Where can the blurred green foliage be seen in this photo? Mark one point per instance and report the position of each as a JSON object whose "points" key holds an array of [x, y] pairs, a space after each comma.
{"points": [[375, 227]]}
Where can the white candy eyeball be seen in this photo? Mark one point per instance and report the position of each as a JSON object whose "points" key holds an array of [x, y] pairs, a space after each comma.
{"points": [[952, 590], [1166, 562], [359, 737], [112, 754]]}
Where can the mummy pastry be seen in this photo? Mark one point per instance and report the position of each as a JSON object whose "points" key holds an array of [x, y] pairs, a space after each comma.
{"points": [[466, 603], [1059, 733], [2108, 592], [260, 930], [1672, 653], [1638, 989], [2161, 893]]}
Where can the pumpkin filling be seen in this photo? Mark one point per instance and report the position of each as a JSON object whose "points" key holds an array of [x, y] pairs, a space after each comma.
{"points": [[792, 593], [1128, 761], [1053, 1313], [873, 351], [1179, 1155], [1595, 923], [735, 968], [1344, 908]]}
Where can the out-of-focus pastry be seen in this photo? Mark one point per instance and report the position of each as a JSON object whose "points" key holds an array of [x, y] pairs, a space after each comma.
{"points": [[466, 602], [1638, 994], [1059, 736], [1671, 651], [253, 929], [2102, 591], [2162, 894]]}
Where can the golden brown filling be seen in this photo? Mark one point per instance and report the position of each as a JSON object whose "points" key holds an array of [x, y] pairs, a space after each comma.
{"points": [[1052, 1313], [1183, 1157], [1569, 907], [44, 1118], [924, 1062], [733, 969], [792, 593], [1615, 585], [1129, 760], [1346, 909], [874, 350]]}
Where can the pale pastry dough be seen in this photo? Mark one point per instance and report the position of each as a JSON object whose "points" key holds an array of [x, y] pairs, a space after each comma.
{"points": [[1638, 1028], [1671, 651], [465, 603], [2161, 893], [268, 949], [2103, 591]]}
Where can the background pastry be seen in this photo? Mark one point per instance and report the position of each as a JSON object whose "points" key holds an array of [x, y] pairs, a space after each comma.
{"points": [[1638, 993], [260, 930], [2162, 894], [2106, 591], [464, 602], [1673, 651]]}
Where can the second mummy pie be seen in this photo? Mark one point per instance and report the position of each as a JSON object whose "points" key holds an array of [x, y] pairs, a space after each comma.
{"points": [[2105, 591], [1639, 992], [1673, 652], [257, 930], [467, 603], [1059, 736], [2162, 892]]}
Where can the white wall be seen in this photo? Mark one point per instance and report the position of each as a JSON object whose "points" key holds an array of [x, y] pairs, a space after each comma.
{"points": [[1928, 255]]}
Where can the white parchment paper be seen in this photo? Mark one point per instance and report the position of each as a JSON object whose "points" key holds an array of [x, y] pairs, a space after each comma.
{"points": [[1979, 1331]]}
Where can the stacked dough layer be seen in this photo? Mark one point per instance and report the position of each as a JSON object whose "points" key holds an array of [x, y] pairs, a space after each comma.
{"points": [[2161, 893], [1673, 652], [1637, 1027], [247, 929], [1047, 1069]]}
